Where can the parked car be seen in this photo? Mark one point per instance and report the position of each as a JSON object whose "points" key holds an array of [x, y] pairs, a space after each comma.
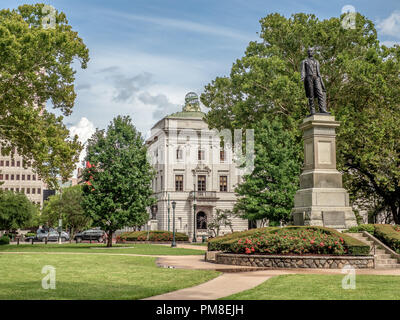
{"points": [[91, 234], [51, 235]]}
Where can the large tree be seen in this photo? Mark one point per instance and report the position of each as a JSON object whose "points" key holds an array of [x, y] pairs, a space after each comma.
{"points": [[16, 211], [362, 79], [37, 49], [267, 192], [66, 205], [118, 176]]}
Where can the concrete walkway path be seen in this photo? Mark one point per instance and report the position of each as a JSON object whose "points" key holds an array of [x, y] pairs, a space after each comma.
{"points": [[222, 286]]}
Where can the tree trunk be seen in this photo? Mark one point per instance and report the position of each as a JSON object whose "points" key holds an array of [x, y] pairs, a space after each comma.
{"points": [[109, 238], [395, 213]]}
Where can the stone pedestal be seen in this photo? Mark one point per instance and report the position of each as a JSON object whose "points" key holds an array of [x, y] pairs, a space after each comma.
{"points": [[321, 199]]}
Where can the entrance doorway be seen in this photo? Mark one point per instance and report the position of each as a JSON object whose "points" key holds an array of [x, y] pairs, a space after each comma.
{"points": [[201, 221]]}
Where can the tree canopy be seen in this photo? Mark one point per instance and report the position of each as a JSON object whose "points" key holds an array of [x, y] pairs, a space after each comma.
{"points": [[35, 68], [16, 211], [118, 189], [66, 205], [361, 76], [267, 193]]}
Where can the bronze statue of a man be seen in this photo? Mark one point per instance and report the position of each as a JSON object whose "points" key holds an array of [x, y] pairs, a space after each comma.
{"points": [[313, 82]]}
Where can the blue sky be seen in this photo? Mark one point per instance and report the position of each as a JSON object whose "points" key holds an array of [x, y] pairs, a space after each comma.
{"points": [[147, 54]]}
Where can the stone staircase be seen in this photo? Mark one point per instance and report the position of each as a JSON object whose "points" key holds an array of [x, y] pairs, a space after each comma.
{"points": [[383, 258]]}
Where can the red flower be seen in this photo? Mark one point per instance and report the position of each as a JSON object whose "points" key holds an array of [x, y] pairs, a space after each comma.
{"points": [[248, 251], [321, 244]]}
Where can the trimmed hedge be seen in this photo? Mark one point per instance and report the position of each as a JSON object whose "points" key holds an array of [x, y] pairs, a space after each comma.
{"points": [[30, 234], [389, 235], [4, 240], [286, 240], [152, 236], [370, 228]]}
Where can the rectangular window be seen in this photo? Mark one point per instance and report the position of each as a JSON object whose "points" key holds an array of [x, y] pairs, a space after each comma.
{"points": [[34, 177], [28, 177], [33, 191], [223, 183], [201, 183], [1, 176], [39, 191], [200, 155], [222, 155], [6, 177], [22, 190], [12, 163], [23, 177], [179, 183], [12, 177], [17, 177], [7, 163], [1, 163], [17, 189], [18, 164], [28, 190]]}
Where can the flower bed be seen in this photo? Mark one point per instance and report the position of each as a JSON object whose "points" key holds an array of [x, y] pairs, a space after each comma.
{"points": [[294, 240], [153, 236]]}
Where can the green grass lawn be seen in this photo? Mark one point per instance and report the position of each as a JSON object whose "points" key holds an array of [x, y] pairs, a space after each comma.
{"points": [[323, 287], [147, 249], [92, 277]]}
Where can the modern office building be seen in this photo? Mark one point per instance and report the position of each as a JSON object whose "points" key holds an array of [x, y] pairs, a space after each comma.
{"points": [[16, 178]]}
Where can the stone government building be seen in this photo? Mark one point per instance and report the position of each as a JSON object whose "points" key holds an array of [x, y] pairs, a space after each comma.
{"points": [[189, 160]]}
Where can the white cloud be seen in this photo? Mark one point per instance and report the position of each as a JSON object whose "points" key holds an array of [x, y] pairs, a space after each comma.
{"points": [[84, 129], [185, 25], [389, 43], [391, 25]]}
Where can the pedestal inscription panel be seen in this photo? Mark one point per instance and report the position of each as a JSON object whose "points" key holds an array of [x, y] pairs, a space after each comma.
{"points": [[334, 219]]}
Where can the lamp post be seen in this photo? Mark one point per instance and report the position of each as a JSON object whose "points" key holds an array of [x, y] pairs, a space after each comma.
{"points": [[194, 213], [168, 213], [173, 245]]}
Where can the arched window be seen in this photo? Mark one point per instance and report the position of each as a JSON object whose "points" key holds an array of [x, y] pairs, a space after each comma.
{"points": [[201, 221]]}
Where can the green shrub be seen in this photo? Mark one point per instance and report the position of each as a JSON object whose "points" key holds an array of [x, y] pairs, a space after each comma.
{"points": [[30, 234], [362, 227], [290, 240], [389, 235], [216, 244], [152, 236], [4, 240]]}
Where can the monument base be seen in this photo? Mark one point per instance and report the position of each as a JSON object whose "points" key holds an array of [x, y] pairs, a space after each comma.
{"points": [[321, 199]]}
